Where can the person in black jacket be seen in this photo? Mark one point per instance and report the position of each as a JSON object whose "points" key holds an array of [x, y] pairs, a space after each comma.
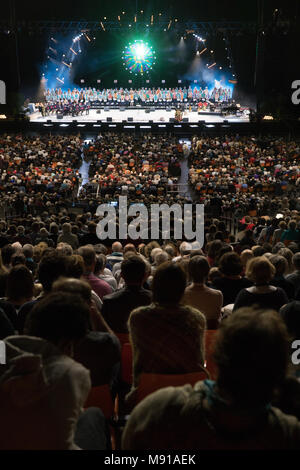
{"points": [[263, 294], [118, 305], [231, 282]]}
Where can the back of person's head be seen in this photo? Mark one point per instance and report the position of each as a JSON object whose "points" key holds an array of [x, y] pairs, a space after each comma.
{"points": [[277, 247], [198, 269], [230, 264], [291, 317], [287, 254], [74, 266], [213, 248], [294, 247], [279, 263], [170, 250], [292, 225], [88, 254], [260, 271], [66, 228], [92, 227], [50, 268], [117, 247], [185, 248], [169, 283], [129, 247], [7, 251], [225, 249], [35, 226], [258, 251], [100, 249], [214, 274], [251, 348], [17, 258], [133, 270], [28, 250], [64, 248], [19, 284], [161, 257], [61, 318], [149, 247], [100, 264], [296, 261], [21, 230], [219, 236], [282, 225], [74, 286], [246, 255]]}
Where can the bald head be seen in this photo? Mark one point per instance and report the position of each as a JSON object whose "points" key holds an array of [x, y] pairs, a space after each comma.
{"points": [[117, 247]]}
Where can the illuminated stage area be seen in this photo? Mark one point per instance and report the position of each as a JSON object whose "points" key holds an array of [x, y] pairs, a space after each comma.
{"points": [[141, 115]]}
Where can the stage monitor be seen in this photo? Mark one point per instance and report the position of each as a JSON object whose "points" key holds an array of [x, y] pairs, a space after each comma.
{"points": [[185, 119], [172, 120], [130, 119], [109, 119]]}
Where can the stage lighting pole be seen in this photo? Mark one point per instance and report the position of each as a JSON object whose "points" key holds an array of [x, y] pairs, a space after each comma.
{"points": [[260, 49], [16, 46]]}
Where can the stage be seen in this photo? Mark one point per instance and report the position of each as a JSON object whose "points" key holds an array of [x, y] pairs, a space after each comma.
{"points": [[157, 116]]}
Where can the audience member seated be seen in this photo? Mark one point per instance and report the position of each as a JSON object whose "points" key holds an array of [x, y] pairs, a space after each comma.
{"points": [[118, 305], [98, 351], [50, 268], [208, 301], [166, 337], [233, 413], [294, 277], [101, 287], [43, 390], [104, 273], [68, 237], [262, 294], [231, 282], [281, 266]]}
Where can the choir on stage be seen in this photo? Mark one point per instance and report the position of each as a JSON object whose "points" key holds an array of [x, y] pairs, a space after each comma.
{"points": [[137, 96]]}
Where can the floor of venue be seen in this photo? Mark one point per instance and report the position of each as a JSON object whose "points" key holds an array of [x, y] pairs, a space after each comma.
{"points": [[140, 115]]}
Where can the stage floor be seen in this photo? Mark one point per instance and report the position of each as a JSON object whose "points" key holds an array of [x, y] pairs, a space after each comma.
{"points": [[139, 115]]}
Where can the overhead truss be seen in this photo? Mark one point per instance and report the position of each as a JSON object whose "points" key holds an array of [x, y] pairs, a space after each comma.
{"points": [[203, 27]]}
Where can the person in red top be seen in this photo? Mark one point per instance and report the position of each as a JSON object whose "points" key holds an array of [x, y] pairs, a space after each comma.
{"points": [[99, 286]]}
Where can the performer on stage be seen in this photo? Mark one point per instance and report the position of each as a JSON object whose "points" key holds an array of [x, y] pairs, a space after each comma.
{"points": [[178, 115]]}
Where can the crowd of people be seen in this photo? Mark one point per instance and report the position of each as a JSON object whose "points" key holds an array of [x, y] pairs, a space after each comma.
{"points": [[70, 303], [244, 165], [140, 95]]}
